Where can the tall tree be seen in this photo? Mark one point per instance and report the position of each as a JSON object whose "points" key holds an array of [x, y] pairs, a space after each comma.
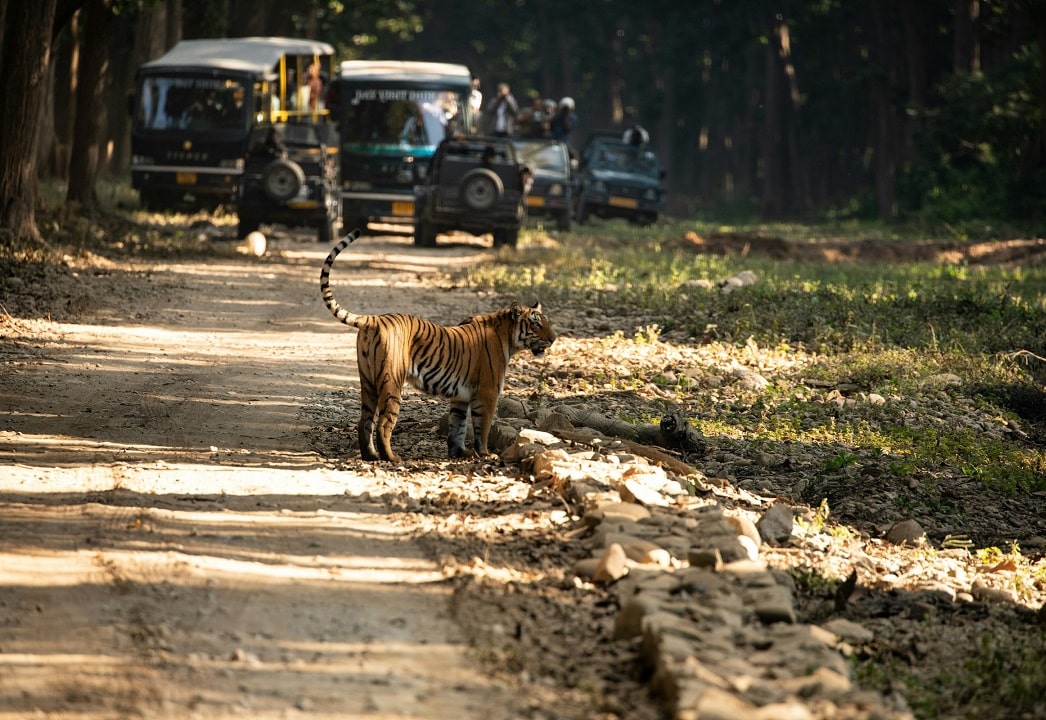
{"points": [[87, 158], [25, 52]]}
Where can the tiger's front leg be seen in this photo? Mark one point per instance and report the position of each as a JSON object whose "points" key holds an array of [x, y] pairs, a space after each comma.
{"points": [[483, 411], [457, 430]]}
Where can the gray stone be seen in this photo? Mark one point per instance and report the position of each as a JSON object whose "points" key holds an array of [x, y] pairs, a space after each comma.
{"points": [[716, 704], [822, 682], [775, 526], [783, 711], [616, 511], [553, 422], [613, 565], [704, 558], [636, 491], [537, 436], [731, 547], [745, 528], [629, 620], [773, 605], [510, 407], [849, 631], [906, 532]]}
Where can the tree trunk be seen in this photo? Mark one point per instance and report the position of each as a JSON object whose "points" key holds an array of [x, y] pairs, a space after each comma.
{"points": [[87, 159], [774, 132], [967, 44], [173, 16], [124, 66], [881, 77], [25, 53]]}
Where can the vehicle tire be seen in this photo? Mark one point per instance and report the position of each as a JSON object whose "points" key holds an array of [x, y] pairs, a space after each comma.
{"points": [[424, 234], [480, 189], [246, 226], [563, 220], [282, 179], [506, 237]]}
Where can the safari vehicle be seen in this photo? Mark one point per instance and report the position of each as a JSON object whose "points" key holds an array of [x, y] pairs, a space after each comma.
{"points": [[555, 178], [476, 185], [291, 178], [391, 116], [195, 108], [619, 180]]}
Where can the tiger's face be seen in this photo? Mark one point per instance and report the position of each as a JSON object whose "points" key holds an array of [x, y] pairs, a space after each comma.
{"points": [[533, 329]]}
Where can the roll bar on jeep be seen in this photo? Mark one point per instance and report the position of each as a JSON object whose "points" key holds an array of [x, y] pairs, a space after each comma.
{"points": [[194, 108]]}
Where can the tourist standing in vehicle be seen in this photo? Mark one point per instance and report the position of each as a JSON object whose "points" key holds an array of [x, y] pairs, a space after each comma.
{"points": [[564, 121], [315, 85], [533, 121], [502, 112], [475, 100]]}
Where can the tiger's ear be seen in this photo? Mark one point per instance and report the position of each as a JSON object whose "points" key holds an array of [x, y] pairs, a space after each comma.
{"points": [[536, 307], [516, 310]]}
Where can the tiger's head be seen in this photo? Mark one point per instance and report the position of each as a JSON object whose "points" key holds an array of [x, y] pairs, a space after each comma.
{"points": [[532, 330]]}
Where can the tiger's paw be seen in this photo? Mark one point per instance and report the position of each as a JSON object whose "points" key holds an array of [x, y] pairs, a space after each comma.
{"points": [[459, 452]]}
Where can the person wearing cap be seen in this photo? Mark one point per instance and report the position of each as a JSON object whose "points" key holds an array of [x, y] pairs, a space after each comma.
{"points": [[564, 121]]}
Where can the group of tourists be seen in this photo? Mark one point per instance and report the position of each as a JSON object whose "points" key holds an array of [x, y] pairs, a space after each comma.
{"points": [[502, 116]]}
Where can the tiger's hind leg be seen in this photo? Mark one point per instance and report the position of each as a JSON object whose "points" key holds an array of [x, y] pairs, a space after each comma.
{"points": [[389, 402], [458, 428], [365, 427]]}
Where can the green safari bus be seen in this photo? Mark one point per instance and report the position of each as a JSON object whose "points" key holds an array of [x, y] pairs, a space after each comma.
{"points": [[391, 115]]}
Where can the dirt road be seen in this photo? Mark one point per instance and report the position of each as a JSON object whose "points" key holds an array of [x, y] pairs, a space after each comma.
{"points": [[171, 546]]}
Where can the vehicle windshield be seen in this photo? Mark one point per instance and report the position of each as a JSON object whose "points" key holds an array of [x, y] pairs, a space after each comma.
{"points": [[625, 158], [191, 103], [542, 157], [394, 117]]}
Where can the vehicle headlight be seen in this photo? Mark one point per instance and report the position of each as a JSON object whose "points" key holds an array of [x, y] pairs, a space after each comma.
{"points": [[233, 163], [142, 160], [650, 194], [555, 189]]}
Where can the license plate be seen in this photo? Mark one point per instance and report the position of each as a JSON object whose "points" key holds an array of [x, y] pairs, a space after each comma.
{"points": [[535, 201], [621, 202], [185, 178], [403, 208]]}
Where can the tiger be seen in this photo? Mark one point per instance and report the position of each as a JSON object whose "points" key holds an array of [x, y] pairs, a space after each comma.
{"points": [[465, 363]]}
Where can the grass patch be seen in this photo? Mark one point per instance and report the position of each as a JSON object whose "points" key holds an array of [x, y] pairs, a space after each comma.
{"points": [[952, 351]]}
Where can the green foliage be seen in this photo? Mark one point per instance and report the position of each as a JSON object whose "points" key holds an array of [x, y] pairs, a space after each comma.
{"points": [[975, 150], [899, 330], [987, 673]]}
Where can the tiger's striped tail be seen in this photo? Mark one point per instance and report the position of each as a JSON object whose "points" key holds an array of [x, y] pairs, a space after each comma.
{"points": [[343, 314]]}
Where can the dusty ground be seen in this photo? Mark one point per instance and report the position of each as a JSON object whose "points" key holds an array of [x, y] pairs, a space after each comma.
{"points": [[170, 542], [186, 529]]}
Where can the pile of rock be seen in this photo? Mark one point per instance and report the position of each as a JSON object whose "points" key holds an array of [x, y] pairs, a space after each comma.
{"points": [[717, 626]]}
